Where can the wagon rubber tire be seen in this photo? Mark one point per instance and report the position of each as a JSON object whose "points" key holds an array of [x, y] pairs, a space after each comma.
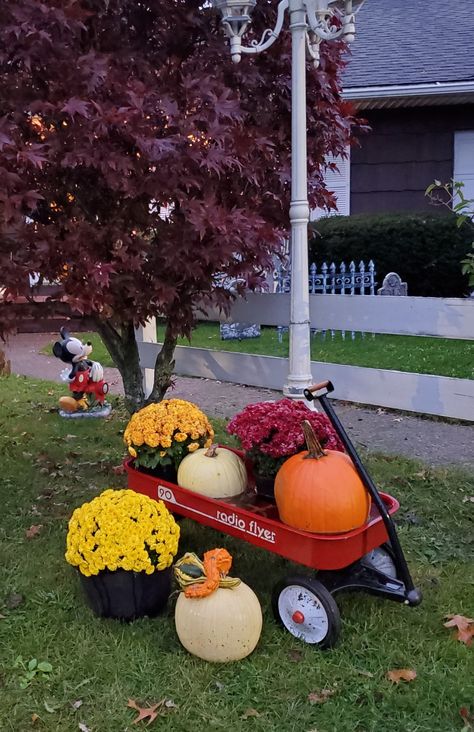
{"points": [[307, 610]]}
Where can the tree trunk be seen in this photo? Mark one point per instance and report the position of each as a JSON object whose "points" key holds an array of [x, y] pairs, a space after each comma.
{"points": [[164, 366], [121, 344]]}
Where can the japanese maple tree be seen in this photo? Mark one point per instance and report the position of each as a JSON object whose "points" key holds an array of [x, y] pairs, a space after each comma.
{"points": [[110, 109]]}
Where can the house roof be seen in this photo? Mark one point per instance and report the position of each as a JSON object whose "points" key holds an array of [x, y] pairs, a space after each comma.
{"points": [[410, 42]]}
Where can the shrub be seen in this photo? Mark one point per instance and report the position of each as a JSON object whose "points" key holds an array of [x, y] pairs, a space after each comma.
{"points": [[425, 249]]}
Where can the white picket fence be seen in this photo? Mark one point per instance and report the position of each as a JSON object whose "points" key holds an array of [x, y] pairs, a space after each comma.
{"points": [[436, 317]]}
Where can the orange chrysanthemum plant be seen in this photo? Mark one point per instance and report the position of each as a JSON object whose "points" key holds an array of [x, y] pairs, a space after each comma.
{"points": [[163, 434]]}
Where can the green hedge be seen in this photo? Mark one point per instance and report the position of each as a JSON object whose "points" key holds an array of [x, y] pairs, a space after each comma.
{"points": [[424, 249]]}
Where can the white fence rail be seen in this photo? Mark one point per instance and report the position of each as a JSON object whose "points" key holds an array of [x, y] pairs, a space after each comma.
{"points": [[437, 395], [430, 316]]}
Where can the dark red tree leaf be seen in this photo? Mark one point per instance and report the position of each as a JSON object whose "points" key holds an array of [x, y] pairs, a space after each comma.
{"points": [[76, 106]]}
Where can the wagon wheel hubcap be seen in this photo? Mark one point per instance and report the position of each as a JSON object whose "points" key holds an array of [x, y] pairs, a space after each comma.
{"points": [[302, 614]]}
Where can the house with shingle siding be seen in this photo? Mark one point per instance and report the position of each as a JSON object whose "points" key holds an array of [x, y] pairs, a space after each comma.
{"points": [[411, 75]]}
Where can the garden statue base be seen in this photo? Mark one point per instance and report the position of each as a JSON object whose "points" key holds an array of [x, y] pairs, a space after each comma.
{"points": [[124, 595], [102, 410]]}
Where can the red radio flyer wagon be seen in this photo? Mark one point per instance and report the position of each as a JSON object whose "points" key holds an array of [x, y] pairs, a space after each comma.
{"points": [[369, 558]]}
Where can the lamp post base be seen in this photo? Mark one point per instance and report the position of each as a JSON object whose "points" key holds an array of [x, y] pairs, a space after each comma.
{"points": [[293, 390]]}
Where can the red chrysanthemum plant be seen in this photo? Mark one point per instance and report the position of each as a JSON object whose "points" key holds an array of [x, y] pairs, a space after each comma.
{"points": [[270, 432]]}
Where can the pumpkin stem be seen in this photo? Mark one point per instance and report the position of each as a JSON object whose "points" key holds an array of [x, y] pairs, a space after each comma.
{"points": [[312, 443], [212, 450], [200, 579]]}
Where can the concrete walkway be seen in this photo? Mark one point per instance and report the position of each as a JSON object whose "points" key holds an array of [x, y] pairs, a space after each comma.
{"points": [[434, 441]]}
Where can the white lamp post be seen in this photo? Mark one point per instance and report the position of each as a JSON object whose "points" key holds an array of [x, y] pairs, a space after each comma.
{"points": [[311, 21]]}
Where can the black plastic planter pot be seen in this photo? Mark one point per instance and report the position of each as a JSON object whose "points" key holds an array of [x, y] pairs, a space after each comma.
{"points": [[165, 472], [127, 595], [265, 486]]}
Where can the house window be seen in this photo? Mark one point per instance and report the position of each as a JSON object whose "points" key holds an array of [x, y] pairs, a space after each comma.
{"points": [[464, 161], [338, 182]]}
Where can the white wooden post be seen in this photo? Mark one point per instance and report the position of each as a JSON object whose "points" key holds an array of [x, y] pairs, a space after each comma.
{"points": [[299, 362], [147, 334]]}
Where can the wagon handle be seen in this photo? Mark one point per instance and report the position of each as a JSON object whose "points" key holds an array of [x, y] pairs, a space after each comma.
{"points": [[309, 392], [413, 595]]}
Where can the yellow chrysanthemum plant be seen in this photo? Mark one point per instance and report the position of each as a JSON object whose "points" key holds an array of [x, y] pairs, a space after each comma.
{"points": [[164, 433], [121, 529]]}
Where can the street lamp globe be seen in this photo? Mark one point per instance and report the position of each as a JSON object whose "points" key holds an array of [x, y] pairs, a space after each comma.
{"points": [[235, 19]]}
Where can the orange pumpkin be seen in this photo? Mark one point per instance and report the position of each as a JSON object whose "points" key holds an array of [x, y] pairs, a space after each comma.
{"points": [[320, 491]]}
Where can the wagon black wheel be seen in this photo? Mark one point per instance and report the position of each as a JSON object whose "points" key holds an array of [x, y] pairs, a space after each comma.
{"points": [[307, 610]]}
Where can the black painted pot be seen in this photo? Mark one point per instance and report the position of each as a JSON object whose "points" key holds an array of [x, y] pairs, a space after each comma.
{"points": [[265, 486], [165, 472], [127, 595]]}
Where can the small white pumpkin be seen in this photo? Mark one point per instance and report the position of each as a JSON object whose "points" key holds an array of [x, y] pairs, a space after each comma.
{"points": [[214, 472], [224, 626]]}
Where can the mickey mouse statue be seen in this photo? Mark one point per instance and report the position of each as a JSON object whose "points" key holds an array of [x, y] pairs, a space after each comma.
{"points": [[85, 379]]}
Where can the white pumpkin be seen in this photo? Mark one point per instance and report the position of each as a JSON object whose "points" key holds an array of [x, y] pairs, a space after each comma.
{"points": [[224, 626], [214, 472]]}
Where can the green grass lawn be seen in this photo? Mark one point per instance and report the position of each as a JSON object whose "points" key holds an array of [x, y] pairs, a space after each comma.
{"points": [[440, 356], [50, 466]]}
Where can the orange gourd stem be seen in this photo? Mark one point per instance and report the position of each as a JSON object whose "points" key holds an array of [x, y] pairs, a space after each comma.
{"points": [[315, 450], [217, 563]]}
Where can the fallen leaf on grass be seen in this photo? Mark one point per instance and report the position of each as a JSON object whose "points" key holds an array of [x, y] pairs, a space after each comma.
{"points": [[401, 674], [467, 718], [465, 628], [364, 673], [34, 718], [33, 531], [295, 655], [149, 713], [319, 697], [14, 600], [51, 708], [410, 518], [250, 713], [83, 727], [118, 470], [76, 704], [46, 495], [152, 712], [468, 499], [423, 474]]}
